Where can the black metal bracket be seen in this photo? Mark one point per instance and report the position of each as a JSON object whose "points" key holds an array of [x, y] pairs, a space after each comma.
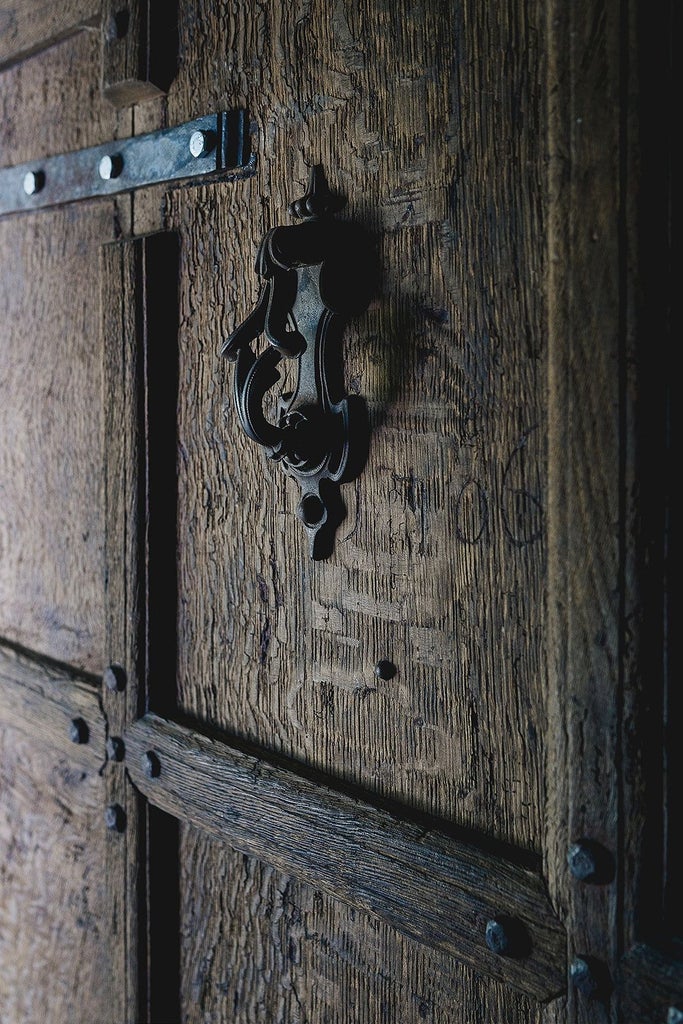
{"points": [[317, 275], [214, 147]]}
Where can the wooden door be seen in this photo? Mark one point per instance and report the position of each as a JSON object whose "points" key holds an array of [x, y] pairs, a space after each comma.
{"points": [[430, 776]]}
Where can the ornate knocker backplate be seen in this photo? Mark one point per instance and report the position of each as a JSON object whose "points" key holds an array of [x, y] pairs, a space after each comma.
{"points": [[316, 274]]}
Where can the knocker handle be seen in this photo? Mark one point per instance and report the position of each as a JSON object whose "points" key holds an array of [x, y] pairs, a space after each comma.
{"points": [[316, 275]]}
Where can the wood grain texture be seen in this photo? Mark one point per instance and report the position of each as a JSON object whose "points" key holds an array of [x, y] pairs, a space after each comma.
{"points": [[259, 945], [431, 887], [27, 26], [52, 103], [56, 939], [51, 521], [428, 117], [41, 699], [590, 591], [122, 276]]}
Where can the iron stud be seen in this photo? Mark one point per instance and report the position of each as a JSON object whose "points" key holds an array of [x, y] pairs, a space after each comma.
{"points": [[151, 765], [78, 730], [110, 166], [114, 678], [115, 818], [34, 181], [201, 143], [116, 748]]}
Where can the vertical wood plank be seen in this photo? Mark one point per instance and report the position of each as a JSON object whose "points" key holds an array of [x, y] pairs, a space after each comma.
{"points": [[57, 945], [122, 274], [590, 588], [439, 564]]}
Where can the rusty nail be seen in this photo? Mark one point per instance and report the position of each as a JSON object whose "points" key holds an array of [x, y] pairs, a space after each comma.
{"points": [[78, 730]]}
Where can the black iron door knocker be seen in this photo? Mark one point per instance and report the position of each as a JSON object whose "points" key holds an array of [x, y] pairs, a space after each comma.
{"points": [[317, 275]]}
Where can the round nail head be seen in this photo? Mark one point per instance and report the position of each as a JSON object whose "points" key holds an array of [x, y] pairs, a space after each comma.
{"points": [[111, 166], [116, 749], [385, 670], [115, 818], [498, 937], [582, 862], [201, 143], [583, 977], [78, 730], [114, 678], [151, 765], [33, 182]]}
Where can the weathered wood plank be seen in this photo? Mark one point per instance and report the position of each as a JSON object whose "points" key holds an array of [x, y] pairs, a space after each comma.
{"points": [[440, 564], [43, 699], [28, 26], [278, 943], [429, 886], [56, 939], [122, 276], [590, 591], [51, 521]]}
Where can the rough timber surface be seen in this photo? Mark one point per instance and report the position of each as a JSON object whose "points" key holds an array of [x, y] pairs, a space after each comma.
{"points": [[56, 935], [427, 117], [259, 945], [27, 26], [436, 889], [51, 522]]}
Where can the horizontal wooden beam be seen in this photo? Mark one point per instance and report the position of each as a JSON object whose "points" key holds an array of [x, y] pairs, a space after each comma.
{"points": [[53, 707], [437, 890]]}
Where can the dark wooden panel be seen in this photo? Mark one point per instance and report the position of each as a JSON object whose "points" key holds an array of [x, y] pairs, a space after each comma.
{"points": [[27, 26], [56, 930], [52, 103], [429, 118], [437, 889], [260, 945], [51, 518], [122, 267], [51, 522], [592, 596]]}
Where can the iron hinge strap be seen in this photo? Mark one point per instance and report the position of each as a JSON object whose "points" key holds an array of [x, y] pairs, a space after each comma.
{"points": [[207, 148]]}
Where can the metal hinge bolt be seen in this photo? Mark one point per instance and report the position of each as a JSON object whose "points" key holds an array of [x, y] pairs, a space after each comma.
{"points": [[111, 166], [34, 181], [201, 143]]}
